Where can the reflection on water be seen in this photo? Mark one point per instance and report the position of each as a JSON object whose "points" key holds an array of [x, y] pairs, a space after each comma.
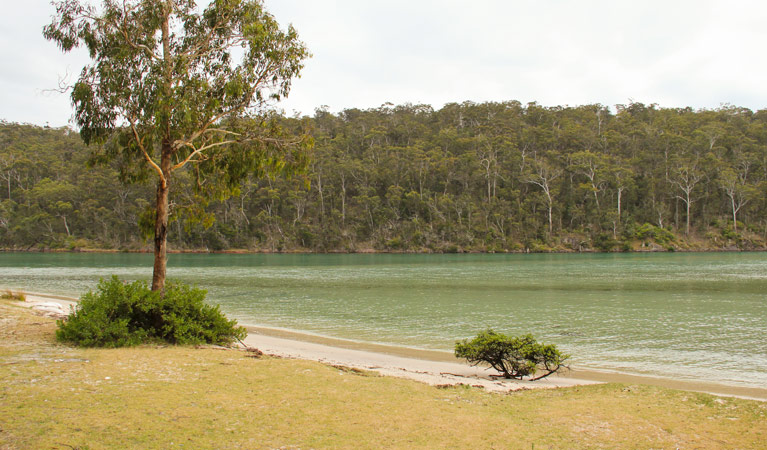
{"points": [[692, 316]]}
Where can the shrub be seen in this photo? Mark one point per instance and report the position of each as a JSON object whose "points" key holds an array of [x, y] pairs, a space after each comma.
{"points": [[120, 314], [395, 243], [658, 234], [513, 357], [450, 248], [730, 234], [604, 242]]}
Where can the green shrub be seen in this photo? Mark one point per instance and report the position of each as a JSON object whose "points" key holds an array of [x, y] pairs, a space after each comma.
{"points": [[539, 247], [395, 243], [306, 237], [658, 234], [604, 242], [730, 234], [450, 248], [120, 314], [513, 357]]}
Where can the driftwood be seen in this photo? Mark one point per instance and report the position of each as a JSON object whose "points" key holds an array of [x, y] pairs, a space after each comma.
{"points": [[253, 352]]}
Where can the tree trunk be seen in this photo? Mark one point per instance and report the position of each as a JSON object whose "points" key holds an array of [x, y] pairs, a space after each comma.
{"points": [[343, 201], [162, 210], [620, 192], [596, 195], [551, 224], [322, 197], [66, 226], [162, 205], [160, 238]]}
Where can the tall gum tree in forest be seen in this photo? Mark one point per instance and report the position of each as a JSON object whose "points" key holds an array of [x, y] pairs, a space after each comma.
{"points": [[542, 173], [685, 175], [739, 190], [171, 88]]}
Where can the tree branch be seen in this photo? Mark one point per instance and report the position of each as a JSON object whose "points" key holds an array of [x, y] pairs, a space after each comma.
{"points": [[151, 162], [199, 151], [128, 40]]}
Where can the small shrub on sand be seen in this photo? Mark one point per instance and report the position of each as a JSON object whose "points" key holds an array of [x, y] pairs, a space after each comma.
{"points": [[121, 314], [513, 357]]}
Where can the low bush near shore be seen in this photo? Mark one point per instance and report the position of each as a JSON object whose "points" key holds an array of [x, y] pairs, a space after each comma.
{"points": [[121, 314], [513, 357]]}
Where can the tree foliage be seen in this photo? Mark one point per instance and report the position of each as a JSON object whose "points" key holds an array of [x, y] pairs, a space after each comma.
{"points": [[170, 87], [513, 357]]}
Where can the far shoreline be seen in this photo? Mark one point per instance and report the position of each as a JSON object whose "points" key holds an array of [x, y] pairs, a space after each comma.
{"points": [[431, 366], [369, 251]]}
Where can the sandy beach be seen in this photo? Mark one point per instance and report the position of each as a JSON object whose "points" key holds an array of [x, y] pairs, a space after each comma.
{"points": [[427, 366]]}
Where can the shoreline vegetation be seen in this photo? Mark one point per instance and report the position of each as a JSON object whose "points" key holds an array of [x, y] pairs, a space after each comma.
{"points": [[429, 366], [636, 247], [374, 251], [154, 397]]}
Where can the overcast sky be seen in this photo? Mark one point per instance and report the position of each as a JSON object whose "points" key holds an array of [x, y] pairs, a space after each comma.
{"points": [[556, 52]]}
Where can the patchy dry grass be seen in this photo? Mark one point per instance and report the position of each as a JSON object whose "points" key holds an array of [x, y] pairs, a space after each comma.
{"points": [[10, 295], [56, 397]]}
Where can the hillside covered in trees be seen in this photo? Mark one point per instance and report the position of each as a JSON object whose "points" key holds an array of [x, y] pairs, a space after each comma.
{"points": [[489, 177]]}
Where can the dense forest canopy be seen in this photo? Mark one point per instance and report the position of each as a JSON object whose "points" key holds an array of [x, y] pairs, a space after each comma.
{"points": [[467, 177]]}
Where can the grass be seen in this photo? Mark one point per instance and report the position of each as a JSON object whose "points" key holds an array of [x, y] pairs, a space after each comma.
{"points": [[56, 397], [10, 295]]}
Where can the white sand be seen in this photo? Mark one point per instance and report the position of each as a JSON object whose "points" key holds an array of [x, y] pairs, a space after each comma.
{"points": [[50, 305], [423, 370]]}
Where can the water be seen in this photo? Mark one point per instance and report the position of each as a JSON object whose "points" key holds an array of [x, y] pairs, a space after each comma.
{"points": [[687, 316]]}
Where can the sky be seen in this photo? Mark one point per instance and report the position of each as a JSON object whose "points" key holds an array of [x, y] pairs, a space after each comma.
{"points": [[675, 53]]}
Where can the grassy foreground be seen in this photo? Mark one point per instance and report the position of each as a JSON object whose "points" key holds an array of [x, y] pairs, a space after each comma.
{"points": [[56, 397]]}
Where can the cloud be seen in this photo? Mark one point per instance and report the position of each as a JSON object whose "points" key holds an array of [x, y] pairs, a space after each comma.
{"points": [[556, 52], [33, 67], [674, 53]]}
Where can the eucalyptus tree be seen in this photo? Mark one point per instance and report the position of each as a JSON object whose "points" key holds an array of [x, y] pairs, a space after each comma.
{"points": [[171, 88], [736, 184], [685, 174], [621, 177], [592, 166], [8, 171], [543, 173]]}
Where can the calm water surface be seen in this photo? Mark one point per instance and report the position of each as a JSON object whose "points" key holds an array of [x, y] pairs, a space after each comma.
{"points": [[689, 316]]}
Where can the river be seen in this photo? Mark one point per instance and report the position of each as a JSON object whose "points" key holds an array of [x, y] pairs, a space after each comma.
{"points": [[690, 316]]}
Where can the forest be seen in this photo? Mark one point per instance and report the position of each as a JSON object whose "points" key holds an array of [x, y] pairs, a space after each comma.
{"points": [[469, 177]]}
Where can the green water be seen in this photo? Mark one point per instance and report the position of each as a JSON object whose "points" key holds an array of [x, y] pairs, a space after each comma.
{"points": [[690, 316]]}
